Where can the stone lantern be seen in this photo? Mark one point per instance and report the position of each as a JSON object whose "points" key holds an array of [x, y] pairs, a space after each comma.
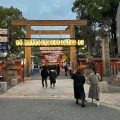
{"points": [[11, 70]]}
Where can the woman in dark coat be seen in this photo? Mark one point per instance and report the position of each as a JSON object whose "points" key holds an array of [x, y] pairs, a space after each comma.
{"points": [[78, 83], [52, 76]]}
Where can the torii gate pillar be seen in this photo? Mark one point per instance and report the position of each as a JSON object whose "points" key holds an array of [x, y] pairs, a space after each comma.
{"points": [[28, 53], [73, 49]]}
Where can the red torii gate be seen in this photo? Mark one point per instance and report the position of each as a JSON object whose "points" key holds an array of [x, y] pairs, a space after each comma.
{"points": [[71, 31]]}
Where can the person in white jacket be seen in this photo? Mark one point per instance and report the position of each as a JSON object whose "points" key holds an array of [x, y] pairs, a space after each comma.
{"points": [[94, 90]]}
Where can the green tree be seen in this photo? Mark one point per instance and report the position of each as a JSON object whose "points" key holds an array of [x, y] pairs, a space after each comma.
{"points": [[6, 17], [101, 15]]}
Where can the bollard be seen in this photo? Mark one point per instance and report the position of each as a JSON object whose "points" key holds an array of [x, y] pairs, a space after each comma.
{"points": [[3, 86], [103, 86], [14, 82]]}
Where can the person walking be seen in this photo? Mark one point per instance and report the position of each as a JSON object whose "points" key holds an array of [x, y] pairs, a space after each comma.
{"points": [[52, 76], [94, 90], [70, 70], [44, 74], [78, 84], [58, 70], [66, 70]]}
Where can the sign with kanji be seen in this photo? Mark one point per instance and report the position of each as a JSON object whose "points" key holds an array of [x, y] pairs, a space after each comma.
{"points": [[51, 48], [52, 57], [3, 47], [49, 42], [3, 39], [3, 31]]}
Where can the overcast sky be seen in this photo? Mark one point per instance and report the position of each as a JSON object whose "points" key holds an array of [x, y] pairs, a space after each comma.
{"points": [[43, 10]]}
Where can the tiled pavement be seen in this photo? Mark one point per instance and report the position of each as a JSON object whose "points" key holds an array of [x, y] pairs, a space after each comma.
{"points": [[32, 89]]}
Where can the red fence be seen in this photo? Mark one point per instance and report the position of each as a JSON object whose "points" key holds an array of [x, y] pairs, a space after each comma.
{"points": [[114, 67]]}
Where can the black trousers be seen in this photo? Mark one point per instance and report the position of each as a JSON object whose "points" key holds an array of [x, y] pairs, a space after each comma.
{"points": [[44, 80]]}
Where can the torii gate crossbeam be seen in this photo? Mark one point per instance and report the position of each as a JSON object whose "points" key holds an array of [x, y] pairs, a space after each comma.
{"points": [[49, 22]]}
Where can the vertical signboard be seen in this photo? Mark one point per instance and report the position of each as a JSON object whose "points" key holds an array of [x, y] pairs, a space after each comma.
{"points": [[3, 31], [3, 39], [3, 47]]}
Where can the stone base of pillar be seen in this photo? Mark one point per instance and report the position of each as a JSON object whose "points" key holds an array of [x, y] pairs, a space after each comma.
{"points": [[117, 80], [14, 82]]}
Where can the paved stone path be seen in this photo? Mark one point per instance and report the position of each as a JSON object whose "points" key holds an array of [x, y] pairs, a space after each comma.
{"points": [[32, 89]]}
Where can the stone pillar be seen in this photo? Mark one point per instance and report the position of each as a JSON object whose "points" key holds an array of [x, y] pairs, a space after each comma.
{"points": [[117, 79], [118, 40], [28, 53], [73, 49], [118, 27], [106, 57]]}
